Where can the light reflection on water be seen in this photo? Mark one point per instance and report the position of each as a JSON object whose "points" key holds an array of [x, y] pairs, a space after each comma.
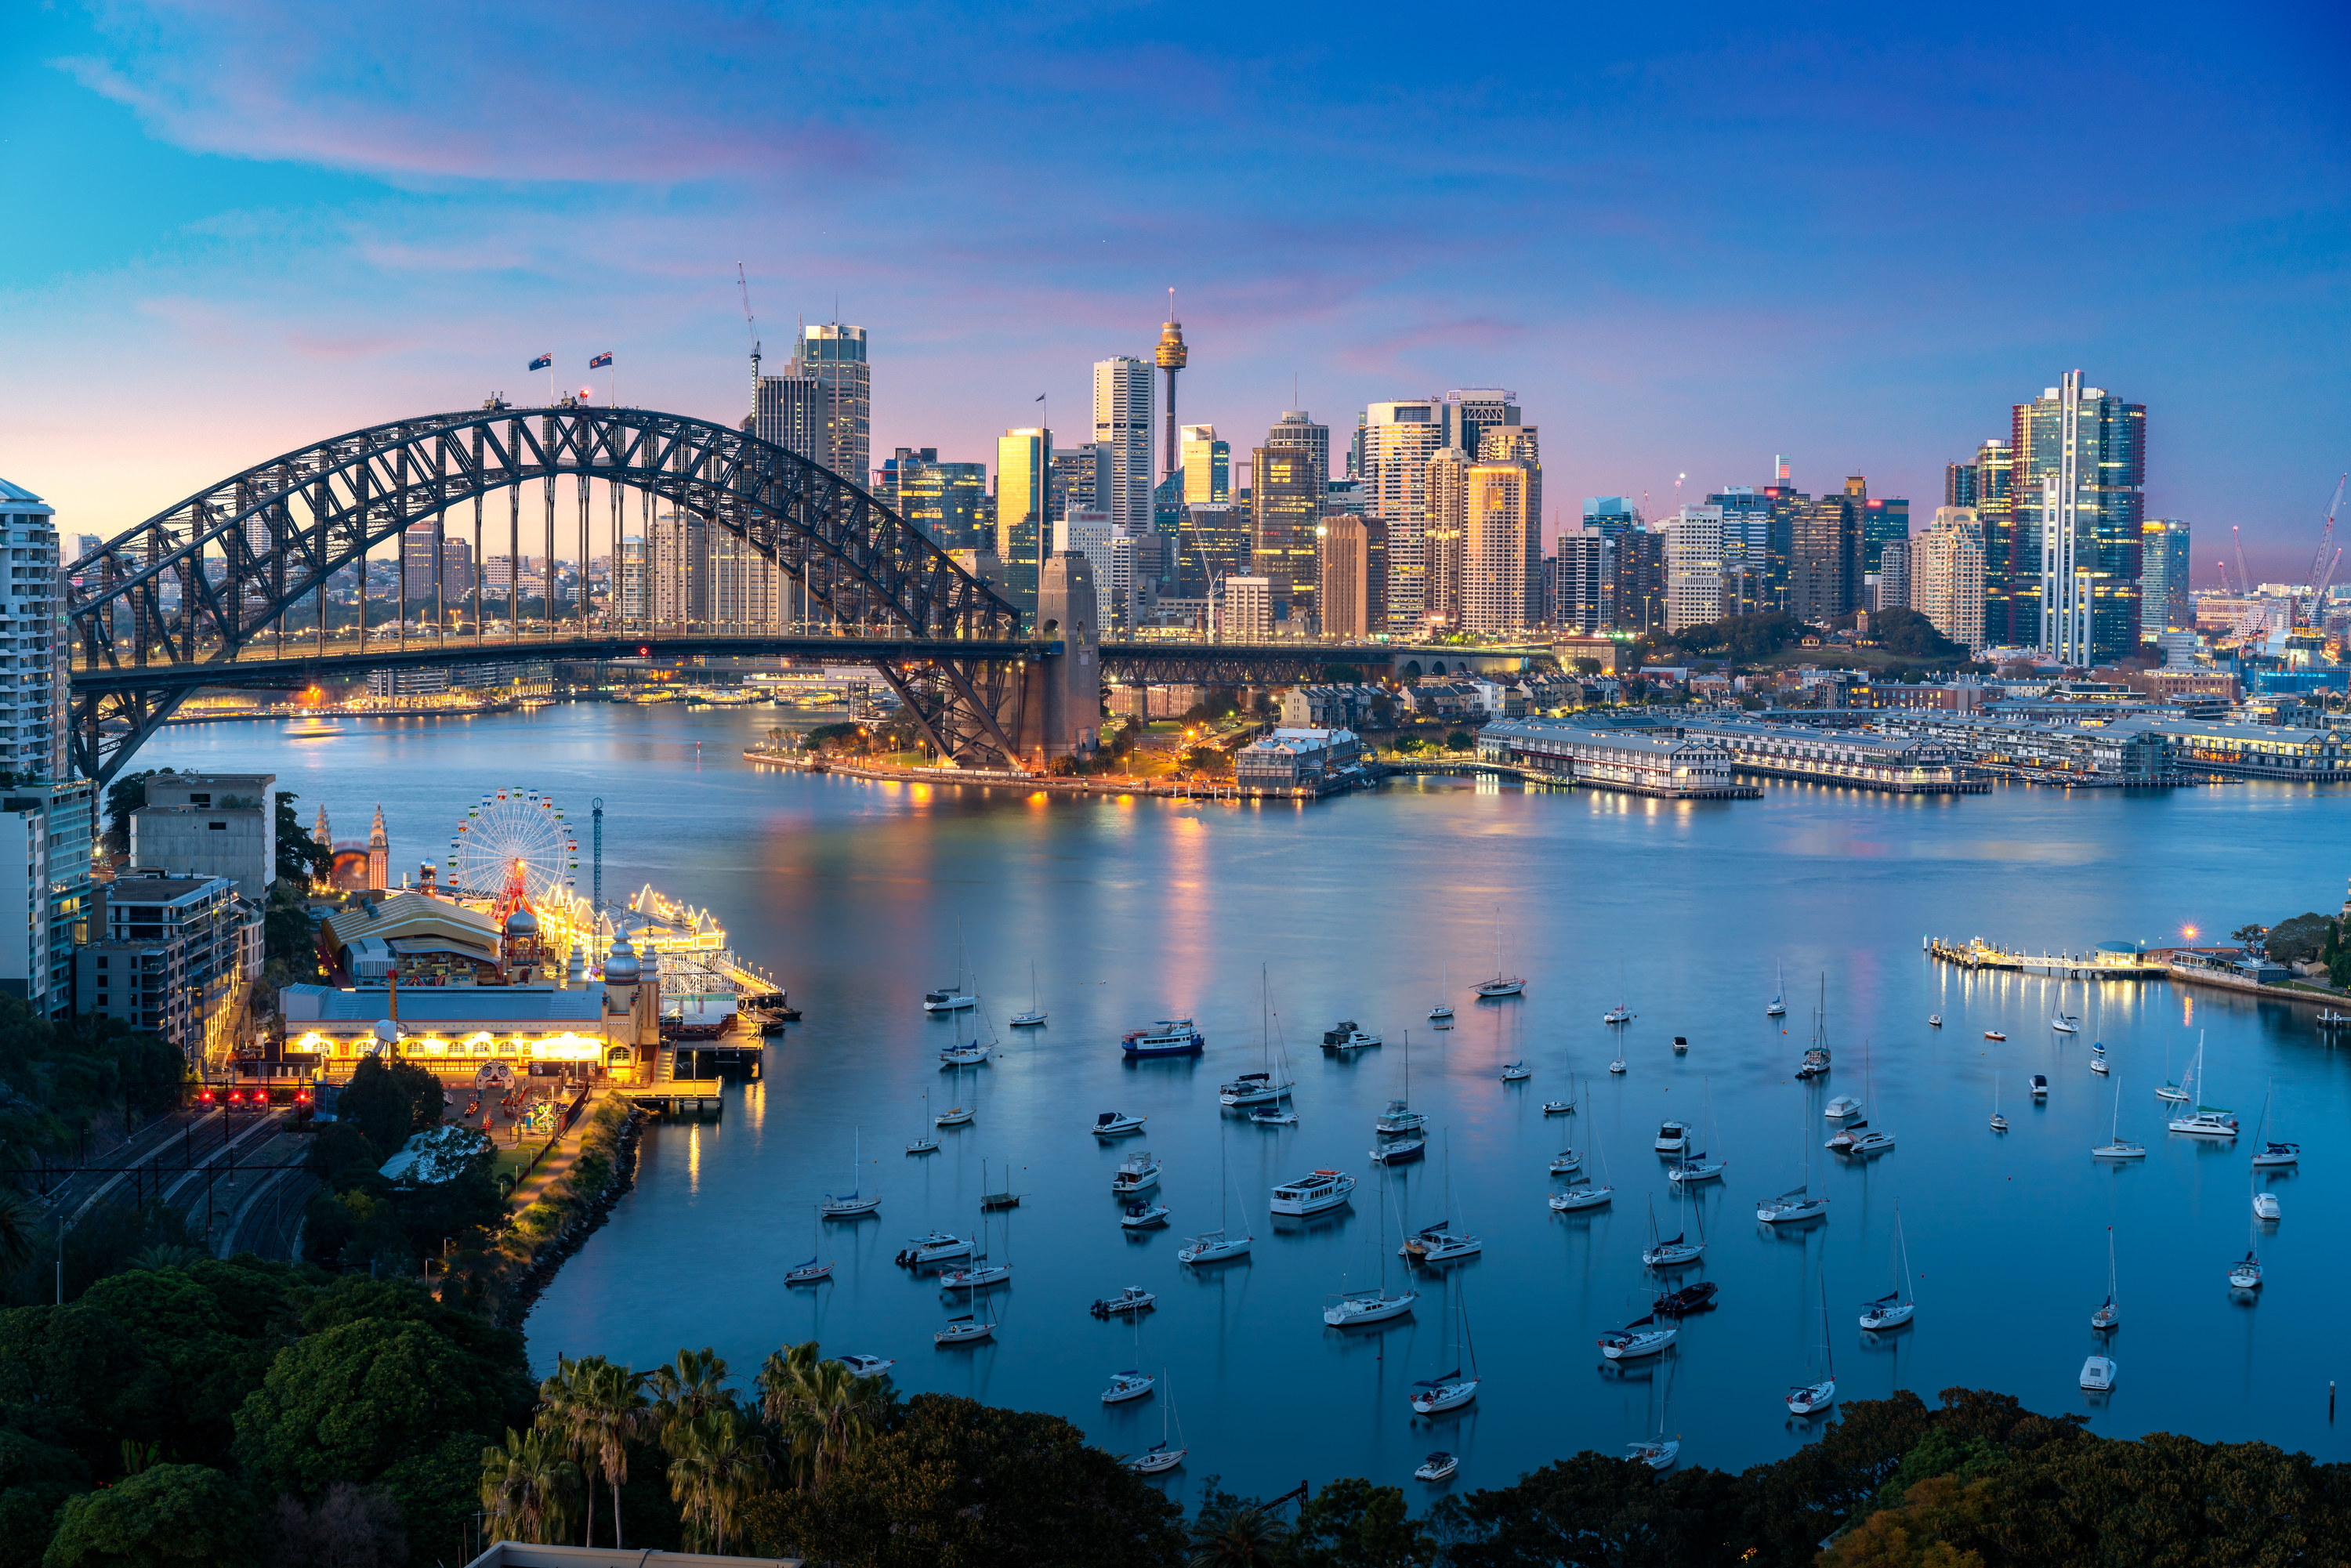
{"points": [[1140, 909]]}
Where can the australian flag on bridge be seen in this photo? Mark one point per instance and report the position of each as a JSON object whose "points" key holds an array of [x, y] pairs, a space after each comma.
{"points": [[542, 363]]}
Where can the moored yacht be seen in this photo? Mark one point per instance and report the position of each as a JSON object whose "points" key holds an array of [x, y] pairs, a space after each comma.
{"points": [[1168, 1037], [1312, 1193], [1117, 1124]]}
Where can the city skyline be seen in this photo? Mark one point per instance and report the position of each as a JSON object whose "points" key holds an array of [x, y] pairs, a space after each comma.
{"points": [[1687, 293]]}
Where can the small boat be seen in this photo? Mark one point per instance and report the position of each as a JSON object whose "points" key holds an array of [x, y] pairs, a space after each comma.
{"points": [[2246, 1273], [2171, 1092], [970, 1055], [1934, 1020], [1559, 1108], [955, 1116], [1143, 1216], [935, 1248], [1117, 1124], [2116, 1148], [1840, 1107], [1898, 1306], [1696, 1167], [1162, 1455], [2039, 1085], [1681, 1045], [2205, 1122], [923, 1141], [1449, 1390], [1437, 1467], [1566, 1163], [1212, 1246], [1137, 1172], [2109, 1315], [977, 1277], [1399, 1117], [1695, 1297], [851, 1204], [1869, 1142], [1399, 1151], [1618, 1066], [1776, 1007], [867, 1365], [2065, 1024], [2272, 1154], [808, 1273], [1811, 1398], [1250, 1089], [1843, 1139], [1503, 984], [1672, 1138], [965, 1330], [1035, 1015], [1358, 1308], [1126, 1385], [1312, 1193], [1269, 1082], [2098, 1375], [948, 999], [1347, 1037], [1577, 1198], [1994, 1034], [1643, 1336], [1274, 1116], [1515, 1072], [1133, 1298], [2098, 1065], [1620, 1013], [1674, 1251], [1168, 1037], [1998, 1121], [1436, 1244], [1791, 1207], [1442, 1013], [2265, 1207]]}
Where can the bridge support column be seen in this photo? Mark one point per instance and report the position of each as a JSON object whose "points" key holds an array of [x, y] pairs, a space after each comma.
{"points": [[1058, 706]]}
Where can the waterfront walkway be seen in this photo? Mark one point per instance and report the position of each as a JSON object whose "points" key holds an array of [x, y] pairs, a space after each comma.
{"points": [[1040, 783]]}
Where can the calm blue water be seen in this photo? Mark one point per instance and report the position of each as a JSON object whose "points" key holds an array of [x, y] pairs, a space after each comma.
{"points": [[855, 893]]}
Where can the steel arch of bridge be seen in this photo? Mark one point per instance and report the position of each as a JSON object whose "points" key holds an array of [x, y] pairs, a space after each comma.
{"points": [[244, 551]]}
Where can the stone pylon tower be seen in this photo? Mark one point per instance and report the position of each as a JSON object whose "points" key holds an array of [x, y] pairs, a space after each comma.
{"points": [[379, 854]]}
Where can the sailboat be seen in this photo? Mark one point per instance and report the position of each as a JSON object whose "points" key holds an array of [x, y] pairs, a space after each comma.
{"points": [[2109, 1315], [810, 1273], [1501, 985], [1867, 1140], [978, 1273], [2204, 1121], [1035, 1015], [2170, 1091], [2061, 1021], [1660, 1452], [1441, 1014], [1896, 1307], [1449, 1390], [1270, 1082], [1621, 1013], [850, 1205], [1814, 1397], [1777, 1009], [1160, 1456], [1439, 1243], [968, 1328], [1673, 1252], [2116, 1148], [1219, 1245], [1816, 1055], [1400, 1117], [979, 1049], [1797, 1203], [956, 1115], [925, 1141], [1693, 1165], [951, 999], [1357, 1307], [1585, 1196], [2272, 1154], [2246, 1275], [1998, 1121]]}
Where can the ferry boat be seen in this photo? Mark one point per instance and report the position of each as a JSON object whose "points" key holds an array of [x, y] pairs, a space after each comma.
{"points": [[1313, 1193], [1168, 1037]]}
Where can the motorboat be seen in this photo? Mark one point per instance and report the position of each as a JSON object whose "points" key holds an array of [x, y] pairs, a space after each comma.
{"points": [[1840, 1107], [1673, 1138], [2205, 1122], [1567, 1162], [808, 1273], [1252, 1089], [1681, 1045], [2098, 1375], [2246, 1273], [1934, 1020], [860, 1365], [1871, 1142], [1515, 1072], [1133, 1298], [1126, 1385], [1347, 1037], [1617, 1067], [1399, 1117], [1620, 1013], [1585, 1196], [965, 1330], [1791, 1207], [948, 999], [1840, 1141], [1274, 1116], [1312, 1193], [1143, 1216], [1994, 1034], [2265, 1207], [979, 1278], [2039, 1085], [1168, 1037], [1399, 1151], [1559, 1108], [1436, 1244], [2274, 1153], [1437, 1467], [1212, 1246], [1138, 1172], [1358, 1308], [1696, 1296], [1117, 1124], [1643, 1336], [935, 1248]]}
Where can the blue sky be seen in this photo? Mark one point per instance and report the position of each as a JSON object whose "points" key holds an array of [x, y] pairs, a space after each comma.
{"points": [[1689, 238]]}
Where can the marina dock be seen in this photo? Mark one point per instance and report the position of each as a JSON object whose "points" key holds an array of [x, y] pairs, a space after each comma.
{"points": [[2107, 961]]}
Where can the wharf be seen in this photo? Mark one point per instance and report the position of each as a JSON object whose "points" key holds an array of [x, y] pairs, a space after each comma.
{"points": [[1054, 784], [2113, 961], [2196, 967], [678, 1096]]}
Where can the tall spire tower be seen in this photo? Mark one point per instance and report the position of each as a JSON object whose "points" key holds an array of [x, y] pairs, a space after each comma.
{"points": [[1172, 357]]}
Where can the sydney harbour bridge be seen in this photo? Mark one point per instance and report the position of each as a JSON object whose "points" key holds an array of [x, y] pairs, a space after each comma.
{"points": [[229, 587]]}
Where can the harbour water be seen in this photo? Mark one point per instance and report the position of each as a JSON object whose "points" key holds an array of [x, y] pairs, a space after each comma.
{"points": [[856, 895]]}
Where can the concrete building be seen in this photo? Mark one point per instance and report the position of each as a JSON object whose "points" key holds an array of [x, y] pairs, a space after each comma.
{"points": [[1092, 535], [1635, 761], [1578, 578], [1343, 591], [2078, 484], [33, 728], [1901, 765], [1240, 609], [1294, 759], [1024, 471], [2166, 603], [196, 946], [1825, 560], [1285, 513], [1296, 427], [1123, 402], [1397, 440], [1207, 467], [833, 356], [418, 584], [1893, 586], [1947, 586], [1509, 442], [1693, 567], [1067, 716], [210, 824]]}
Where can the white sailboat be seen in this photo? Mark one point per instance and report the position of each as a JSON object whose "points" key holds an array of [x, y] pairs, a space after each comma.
{"points": [[2245, 1276], [1643, 1337], [2109, 1315], [1503, 984], [1998, 1121], [977, 1050], [1693, 1167], [1271, 1082], [2272, 1154], [1450, 1390], [2117, 1147], [1217, 1246], [1798, 1204], [1897, 1305], [1674, 1251], [1585, 1195], [1355, 1308], [1162, 1455], [1777, 1009], [811, 1271], [925, 1139], [1440, 1243], [853, 1203], [1442, 1013], [951, 999], [1813, 1398], [978, 1273], [2203, 1120], [1659, 1452], [2061, 1021], [2170, 1092], [1035, 1015], [1400, 1117]]}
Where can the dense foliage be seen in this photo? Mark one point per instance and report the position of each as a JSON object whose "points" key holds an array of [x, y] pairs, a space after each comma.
{"points": [[1912, 636], [1741, 639]]}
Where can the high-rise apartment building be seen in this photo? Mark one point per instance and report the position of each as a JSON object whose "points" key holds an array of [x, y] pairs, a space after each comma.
{"points": [[1296, 427], [702, 575], [2165, 604], [1893, 589], [1750, 581], [1207, 467], [1123, 423], [1510, 442], [1475, 542], [1468, 415], [416, 568], [947, 501], [33, 724], [2080, 473], [1947, 580], [1024, 493], [793, 412], [1285, 508], [1394, 444], [1580, 571], [1825, 560], [1442, 530], [1240, 609], [833, 356], [1693, 567], [1344, 592]]}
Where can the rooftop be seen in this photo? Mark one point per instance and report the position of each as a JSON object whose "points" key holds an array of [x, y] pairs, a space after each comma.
{"points": [[442, 1004]]}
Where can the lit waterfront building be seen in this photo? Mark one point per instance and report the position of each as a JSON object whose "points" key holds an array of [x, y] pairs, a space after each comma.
{"points": [[1635, 761], [1024, 470], [1123, 423], [1207, 467], [1947, 586], [2165, 601]]}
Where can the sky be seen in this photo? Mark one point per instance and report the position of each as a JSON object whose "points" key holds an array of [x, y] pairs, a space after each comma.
{"points": [[1689, 238]]}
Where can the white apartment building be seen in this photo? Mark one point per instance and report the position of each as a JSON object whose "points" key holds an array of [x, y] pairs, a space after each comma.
{"points": [[33, 726], [1122, 422], [1947, 576], [1397, 439], [1240, 609], [1693, 567]]}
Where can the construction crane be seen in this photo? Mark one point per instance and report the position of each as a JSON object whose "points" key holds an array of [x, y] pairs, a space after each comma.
{"points": [[2244, 578], [2326, 535], [750, 327]]}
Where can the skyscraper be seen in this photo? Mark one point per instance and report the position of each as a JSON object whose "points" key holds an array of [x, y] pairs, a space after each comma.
{"points": [[32, 715], [1080, 479], [1024, 468], [1693, 567], [833, 356], [1825, 560], [2165, 604], [1496, 517], [790, 412], [1297, 428], [1444, 524], [1123, 423], [1948, 582], [1173, 356], [1468, 415], [1285, 506], [2011, 570], [2081, 464], [1749, 583], [1207, 467], [1396, 441], [1343, 591], [947, 501], [1511, 442], [1893, 591], [1579, 575]]}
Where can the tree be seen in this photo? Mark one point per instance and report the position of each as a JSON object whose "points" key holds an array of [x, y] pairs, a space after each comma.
{"points": [[717, 1464], [167, 1514], [1355, 1524], [19, 1219], [1460, 740], [1907, 632], [823, 1411], [2294, 941], [388, 1100], [127, 794], [351, 1527], [691, 1386], [1587, 665], [302, 859], [528, 1488], [1232, 1531], [597, 1408]]}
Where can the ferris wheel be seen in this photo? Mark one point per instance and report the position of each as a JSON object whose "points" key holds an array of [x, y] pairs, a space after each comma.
{"points": [[510, 830]]}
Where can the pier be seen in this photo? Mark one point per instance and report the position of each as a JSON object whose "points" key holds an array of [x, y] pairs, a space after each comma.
{"points": [[1067, 784], [2107, 961]]}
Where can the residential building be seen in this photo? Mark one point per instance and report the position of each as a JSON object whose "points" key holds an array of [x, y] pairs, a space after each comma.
{"points": [[34, 727], [1207, 467], [702, 575], [1825, 560], [210, 824], [1500, 515], [1348, 706], [834, 356], [210, 942], [1395, 443], [2078, 482], [1297, 428], [1580, 570], [1513, 442], [1693, 538], [1444, 523], [417, 584], [1122, 402], [2011, 564], [2165, 604], [1893, 589], [1344, 593], [1286, 510], [1240, 609], [1948, 587], [1750, 584], [1024, 476], [1343, 497], [947, 501]]}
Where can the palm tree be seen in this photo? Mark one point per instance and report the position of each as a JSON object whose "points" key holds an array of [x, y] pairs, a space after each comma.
{"points": [[825, 1412], [717, 1463], [18, 1218], [689, 1387], [593, 1409], [1237, 1538], [528, 1486]]}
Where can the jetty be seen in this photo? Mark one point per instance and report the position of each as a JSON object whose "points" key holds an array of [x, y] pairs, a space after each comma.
{"points": [[2106, 961]]}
